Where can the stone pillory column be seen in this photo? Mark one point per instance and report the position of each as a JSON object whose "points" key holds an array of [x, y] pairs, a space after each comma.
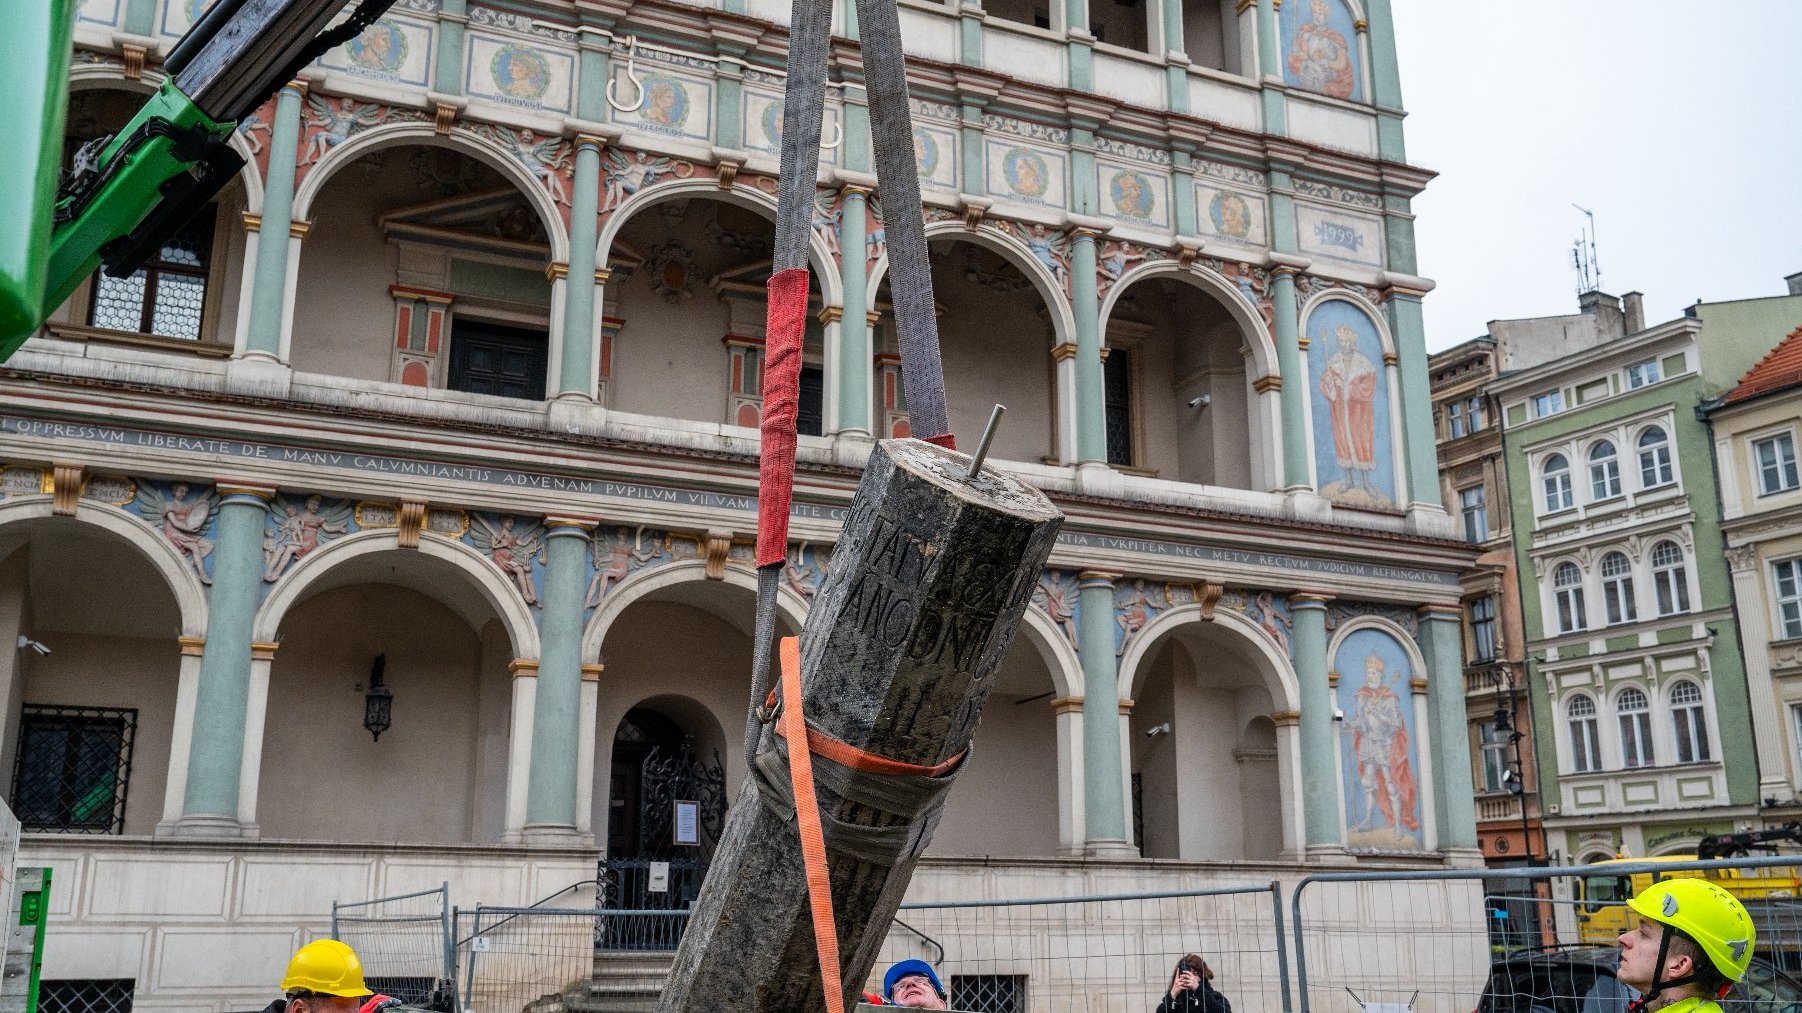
{"points": [[927, 583], [556, 710], [216, 747], [1319, 777]]}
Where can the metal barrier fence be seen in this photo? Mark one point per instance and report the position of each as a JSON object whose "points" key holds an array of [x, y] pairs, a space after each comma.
{"points": [[404, 942], [1432, 942], [1097, 954], [513, 957]]}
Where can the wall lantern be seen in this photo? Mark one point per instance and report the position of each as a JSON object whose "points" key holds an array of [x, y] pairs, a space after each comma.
{"points": [[378, 703]]}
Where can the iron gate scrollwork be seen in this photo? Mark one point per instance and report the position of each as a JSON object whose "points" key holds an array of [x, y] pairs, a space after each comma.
{"points": [[626, 883]]}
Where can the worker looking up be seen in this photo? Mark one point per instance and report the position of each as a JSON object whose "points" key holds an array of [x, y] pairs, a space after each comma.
{"points": [[1693, 941], [915, 984], [325, 976]]}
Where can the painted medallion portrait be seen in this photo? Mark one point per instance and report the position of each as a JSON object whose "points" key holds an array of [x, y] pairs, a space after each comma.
{"points": [[1231, 214], [772, 123], [1131, 194], [520, 73], [1025, 172], [666, 103], [381, 47], [926, 153]]}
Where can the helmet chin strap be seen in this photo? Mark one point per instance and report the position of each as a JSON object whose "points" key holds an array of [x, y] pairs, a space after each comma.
{"points": [[1641, 1004]]}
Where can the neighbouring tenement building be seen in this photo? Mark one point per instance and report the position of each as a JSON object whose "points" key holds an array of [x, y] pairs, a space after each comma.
{"points": [[456, 390], [1757, 427], [1639, 693]]}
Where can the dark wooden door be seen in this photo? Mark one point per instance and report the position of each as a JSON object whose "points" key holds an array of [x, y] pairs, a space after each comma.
{"points": [[505, 361]]}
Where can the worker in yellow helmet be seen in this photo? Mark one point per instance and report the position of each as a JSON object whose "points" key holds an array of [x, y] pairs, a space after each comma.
{"points": [[1693, 941], [325, 976]]}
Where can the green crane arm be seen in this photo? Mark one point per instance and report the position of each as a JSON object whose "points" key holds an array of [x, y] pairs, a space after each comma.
{"points": [[128, 193]]}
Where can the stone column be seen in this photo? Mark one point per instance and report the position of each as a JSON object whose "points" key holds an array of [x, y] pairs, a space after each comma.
{"points": [[1385, 81], [854, 355], [520, 746], [1322, 827], [1288, 775], [577, 371], [1292, 373], [556, 710], [453, 21], [1270, 69], [269, 292], [1176, 57], [585, 742], [1441, 642], [1409, 330], [969, 32], [187, 692], [1070, 774], [222, 693], [1768, 736], [1079, 45], [1105, 831], [1085, 305]]}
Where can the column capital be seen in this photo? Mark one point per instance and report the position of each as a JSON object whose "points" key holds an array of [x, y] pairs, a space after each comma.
{"points": [[1126, 707], [1067, 350], [1098, 578], [263, 652], [556, 270], [1441, 611], [523, 668], [191, 647], [1267, 384], [569, 524], [251, 493], [1309, 600], [592, 672], [829, 315], [1286, 719], [1067, 705], [1287, 265], [1087, 227], [1418, 685], [297, 86]]}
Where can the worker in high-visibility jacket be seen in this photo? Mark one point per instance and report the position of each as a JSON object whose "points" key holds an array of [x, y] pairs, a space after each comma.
{"points": [[325, 976], [1693, 942]]}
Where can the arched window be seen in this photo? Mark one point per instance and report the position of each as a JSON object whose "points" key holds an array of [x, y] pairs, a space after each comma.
{"points": [[1689, 722], [1654, 459], [1585, 754], [1567, 587], [1617, 589], [1604, 471], [1670, 578], [1636, 728], [1557, 484]]}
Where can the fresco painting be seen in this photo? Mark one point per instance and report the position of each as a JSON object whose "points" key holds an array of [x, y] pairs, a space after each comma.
{"points": [[388, 50], [1231, 216], [1134, 193], [1379, 756], [1027, 175], [1320, 49], [519, 75], [1354, 449]]}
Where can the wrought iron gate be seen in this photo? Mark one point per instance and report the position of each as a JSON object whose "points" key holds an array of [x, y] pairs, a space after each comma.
{"points": [[664, 875]]}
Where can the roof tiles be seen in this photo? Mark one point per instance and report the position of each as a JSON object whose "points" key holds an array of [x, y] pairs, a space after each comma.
{"points": [[1780, 369]]}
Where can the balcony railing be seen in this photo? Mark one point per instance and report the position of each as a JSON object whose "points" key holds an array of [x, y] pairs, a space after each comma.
{"points": [[1498, 807]]}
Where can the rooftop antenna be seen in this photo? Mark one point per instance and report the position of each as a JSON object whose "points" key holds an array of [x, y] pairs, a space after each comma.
{"points": [[1583, 255]]}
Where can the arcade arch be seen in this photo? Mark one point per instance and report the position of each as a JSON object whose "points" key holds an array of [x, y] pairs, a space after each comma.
{"points": [[1208, 756], [446, 628], [1175, 335], [425, 264], [685, 308]]}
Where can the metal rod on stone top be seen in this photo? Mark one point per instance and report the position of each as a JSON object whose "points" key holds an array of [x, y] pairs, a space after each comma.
{"points": [[982, 446]]}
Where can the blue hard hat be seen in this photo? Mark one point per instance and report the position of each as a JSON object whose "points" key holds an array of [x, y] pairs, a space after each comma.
{"points": [[905, 968]]}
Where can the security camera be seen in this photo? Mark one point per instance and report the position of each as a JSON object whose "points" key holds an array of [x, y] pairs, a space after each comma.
{"points": [[1338, 715], [1201, 402], [25, 641], [1156, 730]]}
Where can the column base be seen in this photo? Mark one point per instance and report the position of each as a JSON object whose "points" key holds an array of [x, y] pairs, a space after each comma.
{"points": [[572, 412], [1776, 793], [562, 835], [1328, 854], [851, 448], [1107, 848], [1095, 478], [1463, 856], [203, 825], [258, 373], [1431, 519], [1307, 505]]}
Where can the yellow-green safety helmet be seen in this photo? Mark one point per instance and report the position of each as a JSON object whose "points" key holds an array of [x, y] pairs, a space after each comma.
{"points": [[328, 967], [1714, 918]]}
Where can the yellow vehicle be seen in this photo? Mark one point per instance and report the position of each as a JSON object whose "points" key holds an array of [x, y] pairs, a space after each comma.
{"points": [[1602, 913]]}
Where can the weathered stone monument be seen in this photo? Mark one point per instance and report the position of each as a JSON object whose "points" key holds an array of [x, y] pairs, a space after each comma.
{"points": [[927, 584]]}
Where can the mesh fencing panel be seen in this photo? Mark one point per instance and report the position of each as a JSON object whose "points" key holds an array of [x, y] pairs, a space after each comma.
{"points": [[401, 940], [1095, 954], [518, 958]]}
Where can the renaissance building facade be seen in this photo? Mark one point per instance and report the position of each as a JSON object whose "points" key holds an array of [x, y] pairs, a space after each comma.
{"points": [[454, 393]]}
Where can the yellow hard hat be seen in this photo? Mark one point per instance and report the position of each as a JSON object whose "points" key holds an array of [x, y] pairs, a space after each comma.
{"points": [[328, 967], [1714, 918]]}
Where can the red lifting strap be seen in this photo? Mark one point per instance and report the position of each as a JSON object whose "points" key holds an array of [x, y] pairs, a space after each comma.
{"points": [[785, 325], [846, 755], [813, 836]]}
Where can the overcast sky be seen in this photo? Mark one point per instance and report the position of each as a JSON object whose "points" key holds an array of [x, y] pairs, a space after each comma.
{"points": [[1679, 123]]}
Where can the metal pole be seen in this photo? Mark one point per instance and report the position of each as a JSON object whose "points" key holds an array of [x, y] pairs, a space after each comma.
{"points": [[450, 938], [334, 919], [469, 975], [1282, 957]]}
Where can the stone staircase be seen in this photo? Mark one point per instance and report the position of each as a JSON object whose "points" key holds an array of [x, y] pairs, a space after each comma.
{"points": [[624, 981]]}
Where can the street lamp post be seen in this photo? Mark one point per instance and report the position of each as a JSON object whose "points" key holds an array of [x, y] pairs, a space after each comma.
{"points": [[1504, 723]]}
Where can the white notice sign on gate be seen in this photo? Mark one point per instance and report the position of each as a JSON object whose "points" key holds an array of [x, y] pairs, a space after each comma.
{"points": [[659, 878]]}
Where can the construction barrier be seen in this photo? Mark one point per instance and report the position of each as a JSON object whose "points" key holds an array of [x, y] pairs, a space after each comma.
{"points": [[1543, 940], [404, 942], [520, 958], [1100, 953]]}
